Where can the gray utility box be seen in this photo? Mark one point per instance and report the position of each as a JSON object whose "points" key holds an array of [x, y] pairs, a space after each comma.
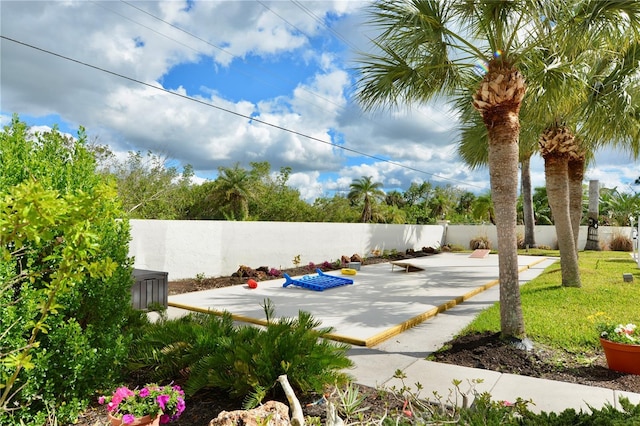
{"points": [[149, 287]]}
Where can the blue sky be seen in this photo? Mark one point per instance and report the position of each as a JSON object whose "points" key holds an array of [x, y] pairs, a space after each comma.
{"points": [[285, 63]]}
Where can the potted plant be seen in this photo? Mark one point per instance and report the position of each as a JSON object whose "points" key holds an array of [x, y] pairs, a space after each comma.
{"points": [[621, 344], [150, 405]]}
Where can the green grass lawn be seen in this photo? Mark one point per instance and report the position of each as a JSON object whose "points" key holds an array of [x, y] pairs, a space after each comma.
{"points": [[566, 318]]}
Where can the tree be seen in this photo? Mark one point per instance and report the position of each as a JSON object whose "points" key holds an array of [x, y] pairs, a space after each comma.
{"points": [[602, 30], [429, 48], [65, 275], [594, 212], [232, 189], [335, 209], [620, 208], [148, 188], [541, 206], [483, 209], [365, 191], [273, 200]]}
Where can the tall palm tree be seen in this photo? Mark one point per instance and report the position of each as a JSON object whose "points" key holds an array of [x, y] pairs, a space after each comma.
{"points": [[557, 147], [365, 191], [429, 48], [565, 144]]}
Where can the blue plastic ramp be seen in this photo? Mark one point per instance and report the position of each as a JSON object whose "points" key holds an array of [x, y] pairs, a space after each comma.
{"points": [[318, 282]]}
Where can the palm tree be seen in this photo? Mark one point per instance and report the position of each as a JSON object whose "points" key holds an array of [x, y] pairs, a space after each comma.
{"points": [[232, 186], [557, 147], [483, 208], [574, 127], [366, 192], [430, 48]]}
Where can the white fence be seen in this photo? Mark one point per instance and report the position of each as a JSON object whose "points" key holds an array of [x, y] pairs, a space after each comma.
{"points": [[217, 248]]}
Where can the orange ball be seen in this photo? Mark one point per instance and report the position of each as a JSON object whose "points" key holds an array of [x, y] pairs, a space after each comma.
{"points": [[252, 283]]}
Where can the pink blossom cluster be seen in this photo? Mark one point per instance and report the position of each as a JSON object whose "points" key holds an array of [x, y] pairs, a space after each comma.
{"points": [[167, 401]]}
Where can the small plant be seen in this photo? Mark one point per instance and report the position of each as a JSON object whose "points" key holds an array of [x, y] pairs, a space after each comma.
{"points": [[620, 333], [350, 401], [200, 278], [296, 260], [273, 272], [615, 332], [326, 265], [311, 266], [152, 400]]}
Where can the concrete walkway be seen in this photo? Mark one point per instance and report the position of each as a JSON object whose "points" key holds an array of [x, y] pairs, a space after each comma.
{"points": [[394, 319], [376, 366]]}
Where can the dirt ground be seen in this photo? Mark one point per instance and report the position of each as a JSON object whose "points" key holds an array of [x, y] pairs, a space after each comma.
{"points": [[484, 351]]}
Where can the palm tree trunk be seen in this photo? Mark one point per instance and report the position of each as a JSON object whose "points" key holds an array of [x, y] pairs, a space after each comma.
{"points": [[498, 101], [503, 171], [556, 172], [527, 203], [594, 213], [575, 175]]}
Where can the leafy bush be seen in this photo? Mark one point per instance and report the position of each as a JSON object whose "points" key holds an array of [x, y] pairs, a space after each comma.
{"points": [[242, 359], [65, 276]]}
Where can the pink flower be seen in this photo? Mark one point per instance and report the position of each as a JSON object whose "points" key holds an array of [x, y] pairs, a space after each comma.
{"points": [[120, 394], [164, 419], [162, 401], [144, 392], [180, 406], [101, 400], [127, 419]]}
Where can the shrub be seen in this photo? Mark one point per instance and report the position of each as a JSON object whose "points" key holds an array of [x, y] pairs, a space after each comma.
{"points": [[275, 272], [242, 359], [65, 275], [481, 242], [619, 242]]}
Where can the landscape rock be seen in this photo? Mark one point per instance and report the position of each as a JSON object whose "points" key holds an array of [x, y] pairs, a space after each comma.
{"points": [[272, 413]]}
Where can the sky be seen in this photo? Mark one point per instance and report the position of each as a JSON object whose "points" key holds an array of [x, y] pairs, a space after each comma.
{"points": [[217, 83]]}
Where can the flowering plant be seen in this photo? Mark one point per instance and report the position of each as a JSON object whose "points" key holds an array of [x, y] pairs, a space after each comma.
{"points": [[620, 333], [152, 400]]}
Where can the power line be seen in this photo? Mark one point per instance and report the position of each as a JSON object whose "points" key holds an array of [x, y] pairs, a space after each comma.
{"points": [[310, 13], [248, 117], [223, 50]]}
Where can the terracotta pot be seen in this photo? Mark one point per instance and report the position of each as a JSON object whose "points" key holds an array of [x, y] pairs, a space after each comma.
{"points": [[622, 357], [140, 421]]}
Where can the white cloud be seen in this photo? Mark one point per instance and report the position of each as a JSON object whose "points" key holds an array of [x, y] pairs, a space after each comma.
{"points": [[125, 39]]}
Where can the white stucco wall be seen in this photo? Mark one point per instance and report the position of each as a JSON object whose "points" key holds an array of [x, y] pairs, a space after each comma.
{"points": [[544, 234], [216, 248]]}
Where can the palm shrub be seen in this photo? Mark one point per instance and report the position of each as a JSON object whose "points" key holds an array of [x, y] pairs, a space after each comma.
{"points": [[242, 360], [65, 277]]}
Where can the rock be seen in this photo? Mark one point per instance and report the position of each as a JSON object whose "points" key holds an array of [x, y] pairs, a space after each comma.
{"points": [[272, 413]]}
